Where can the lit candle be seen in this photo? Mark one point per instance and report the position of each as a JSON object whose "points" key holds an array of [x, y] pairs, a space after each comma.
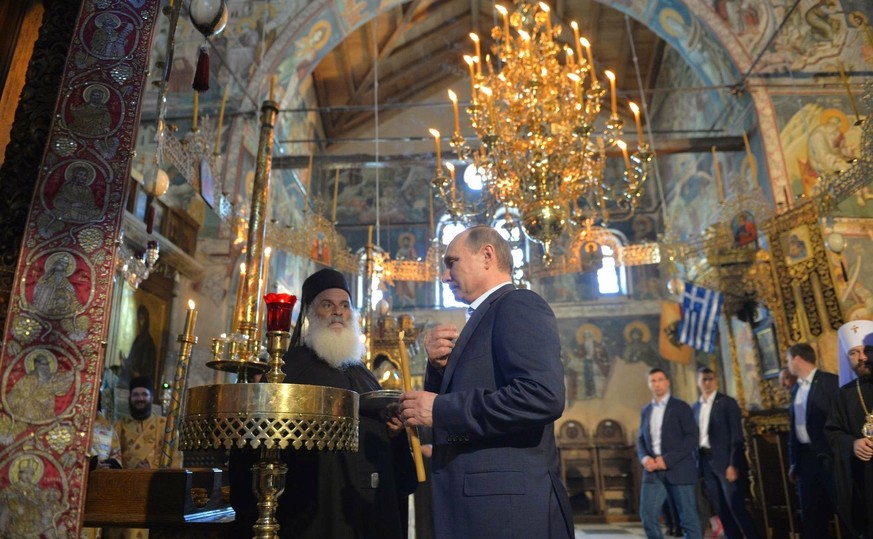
{"points": [[220, 121], [611, 76], [335, 194], [436, 138], [475, 39], [576, 38], [469, 60], [717, 175], [585, 43], [454, 99], [190, 320], [546, 10], [621, 144], [451, 168], [578, 83], [503, 11], [636, 110], [196, 110], [525, 38], [487, 92]]}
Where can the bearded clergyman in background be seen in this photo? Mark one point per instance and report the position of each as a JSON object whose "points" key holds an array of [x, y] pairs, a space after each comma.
{"points": [[334, 495]]}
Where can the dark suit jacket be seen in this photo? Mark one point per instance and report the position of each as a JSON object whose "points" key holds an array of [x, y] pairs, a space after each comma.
{"points": [[495, 462], [679, 440], [822, 392], [725, 433]]}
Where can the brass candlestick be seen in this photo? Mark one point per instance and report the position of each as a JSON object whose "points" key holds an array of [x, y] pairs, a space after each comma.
{"points": [[268, 483], [277, 344], [171, 429]]}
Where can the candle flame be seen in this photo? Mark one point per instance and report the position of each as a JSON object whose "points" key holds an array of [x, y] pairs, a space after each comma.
{"points": [[503, 11], [486, 90], [474, 37], [634, 108], [544, 7], [450, 166], [621, 144], [191, 304], [585, 43], [573, 77], [242, 268], [453, 96], [609, 75], [434, 133], [268, 251], [574, 26], [524, 35], [468, 59]]}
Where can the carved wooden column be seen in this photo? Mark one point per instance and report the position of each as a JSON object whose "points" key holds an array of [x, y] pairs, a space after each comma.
{"points": [[59, 306]]}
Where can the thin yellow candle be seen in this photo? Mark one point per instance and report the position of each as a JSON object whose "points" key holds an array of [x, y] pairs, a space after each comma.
{"points": [[310, 185], [335, 195], [262, 313], [220, 122], [451, 168], [469, 60], [621, 144], [576, 39], [505, 13], [636, 110], [190, 320], [454, 98], [546, 10], [475, 39], [753, 163], [487, 92], [525, 37], [272, 87], [585, 43], [717, 175], [196, 110], [370, 235], [436, 138], [611, 76]]}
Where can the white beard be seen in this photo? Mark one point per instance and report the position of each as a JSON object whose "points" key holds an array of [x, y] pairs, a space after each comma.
{"points": [[339, 349]]}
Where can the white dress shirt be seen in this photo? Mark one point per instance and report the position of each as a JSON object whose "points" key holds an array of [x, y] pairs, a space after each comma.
{"points": [[703, 419], [481, 299], [800, 407], [657, 421]]}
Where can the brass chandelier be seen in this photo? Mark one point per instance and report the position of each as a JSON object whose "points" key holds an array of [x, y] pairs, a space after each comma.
{"points": [[536, 109]]}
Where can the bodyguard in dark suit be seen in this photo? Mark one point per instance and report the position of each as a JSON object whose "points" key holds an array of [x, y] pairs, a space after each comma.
{"points": [[809, 455], [665, 446], [722, 456], [493, 392]]}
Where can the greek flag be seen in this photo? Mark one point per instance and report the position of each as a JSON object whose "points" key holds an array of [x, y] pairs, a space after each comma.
{"points": [[700, 311]]}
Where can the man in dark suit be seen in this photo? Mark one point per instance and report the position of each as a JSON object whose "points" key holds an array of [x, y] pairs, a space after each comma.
{"points": [[492, 394], [665, 446], [722, 457], [809, 455]]}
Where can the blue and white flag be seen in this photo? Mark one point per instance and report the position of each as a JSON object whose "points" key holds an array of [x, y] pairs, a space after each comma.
{"points": [[700, 312]]}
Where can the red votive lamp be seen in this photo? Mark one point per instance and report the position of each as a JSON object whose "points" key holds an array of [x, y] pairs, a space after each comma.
{"points": [[279, 307]]}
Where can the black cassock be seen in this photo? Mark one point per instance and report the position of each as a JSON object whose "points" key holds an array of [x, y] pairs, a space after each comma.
{"points": [[334, 495], [854, 477]]}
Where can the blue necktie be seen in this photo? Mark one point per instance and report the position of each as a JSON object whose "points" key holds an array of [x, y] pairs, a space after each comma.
{"points": [[470, 311]]}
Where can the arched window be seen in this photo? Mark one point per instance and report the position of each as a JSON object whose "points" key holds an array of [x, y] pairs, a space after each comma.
{"points": [[611, 278]]}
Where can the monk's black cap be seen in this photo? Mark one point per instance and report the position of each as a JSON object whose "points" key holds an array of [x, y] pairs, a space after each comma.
{"points": [[322, 280], [142, 381]]}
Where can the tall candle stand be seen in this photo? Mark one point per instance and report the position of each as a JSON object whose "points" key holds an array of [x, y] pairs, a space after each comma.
{"points": [[268, 416]]}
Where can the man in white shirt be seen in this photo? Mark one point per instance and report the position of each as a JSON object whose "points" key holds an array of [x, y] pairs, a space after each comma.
{"points": [[665, 447], [809, 454], [722, 456]]}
